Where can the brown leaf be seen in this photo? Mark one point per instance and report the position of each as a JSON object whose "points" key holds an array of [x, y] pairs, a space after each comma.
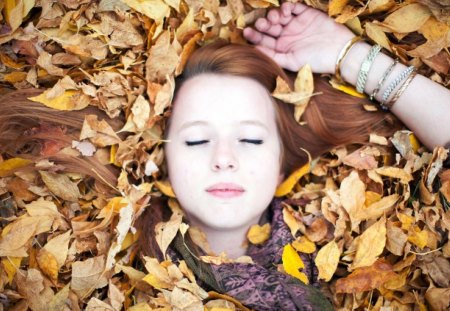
{"points": [[61, 186], [438, 298], [100, 133], [19, 188], [163, 59], [367, 278], [31, 285], [395, 239], [45, 61], [437, 267], [360, 160], [166, 231], [115, 296], [88, 275], [408, 18], [13, 243]]}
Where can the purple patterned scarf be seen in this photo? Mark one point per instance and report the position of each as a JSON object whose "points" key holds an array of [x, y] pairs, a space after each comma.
{"points": [[260, 286]]}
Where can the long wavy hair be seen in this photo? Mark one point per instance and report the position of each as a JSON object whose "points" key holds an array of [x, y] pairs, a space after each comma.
{"points": [[331, 119]]}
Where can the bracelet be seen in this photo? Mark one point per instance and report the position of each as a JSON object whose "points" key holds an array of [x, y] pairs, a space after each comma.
{"points": [[383, 79], [341, 56], [365, 67], [393, 85], [401, 89]]}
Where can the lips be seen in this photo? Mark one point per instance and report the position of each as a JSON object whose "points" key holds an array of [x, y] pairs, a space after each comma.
{"points": [[225, 190]]}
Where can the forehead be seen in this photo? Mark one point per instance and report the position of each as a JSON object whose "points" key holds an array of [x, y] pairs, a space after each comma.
{"points": [[222, 99]]}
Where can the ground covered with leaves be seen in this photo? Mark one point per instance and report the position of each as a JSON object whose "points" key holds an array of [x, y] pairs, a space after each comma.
{"points": [[378, 216]]}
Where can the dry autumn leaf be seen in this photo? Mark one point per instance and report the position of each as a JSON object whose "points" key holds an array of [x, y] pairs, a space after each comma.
{"points": [[370, 245], [366, 278], [327, 260], [258, 234], [292, 263], [122, 57]]}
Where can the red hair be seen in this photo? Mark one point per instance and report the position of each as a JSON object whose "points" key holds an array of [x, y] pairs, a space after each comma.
{"points": [[332, 118]]}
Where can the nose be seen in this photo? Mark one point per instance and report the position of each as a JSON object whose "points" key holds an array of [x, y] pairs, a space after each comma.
{"points": [[224, 158]]}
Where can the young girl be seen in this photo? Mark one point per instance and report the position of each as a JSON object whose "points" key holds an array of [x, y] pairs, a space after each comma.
{"points": [[230, 143]]}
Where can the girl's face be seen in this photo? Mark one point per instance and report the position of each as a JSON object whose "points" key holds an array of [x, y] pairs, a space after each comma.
{"points": [[223, 153]]}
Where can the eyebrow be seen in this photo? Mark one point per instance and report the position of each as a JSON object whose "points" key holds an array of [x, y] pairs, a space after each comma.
{"points": [[205, 123]]}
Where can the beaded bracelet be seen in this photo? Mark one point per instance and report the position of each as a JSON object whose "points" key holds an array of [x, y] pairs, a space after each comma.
{"points": [[401, 89], [365, 67], [380, 83], [341, 56], [393, 85]]}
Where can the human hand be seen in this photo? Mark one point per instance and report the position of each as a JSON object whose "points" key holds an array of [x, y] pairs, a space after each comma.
{"points": [[295, 34]]}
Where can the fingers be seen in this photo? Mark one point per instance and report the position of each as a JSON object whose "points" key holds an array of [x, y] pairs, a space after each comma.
{"points": [[280, 16], [265, 26], [259, 38]]}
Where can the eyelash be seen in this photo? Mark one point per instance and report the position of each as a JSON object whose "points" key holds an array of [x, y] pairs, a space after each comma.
{"points": [[200, 142]]}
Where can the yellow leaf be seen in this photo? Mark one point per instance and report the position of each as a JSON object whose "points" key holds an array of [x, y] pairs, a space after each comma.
{"points": [[347, 89], [64, 102], [371, 197], [8, 166], [13, 13], [370, 245], [15, 76], [377, 209], [11, 264], [290, 221], [352, 192], [156, 282], [304, 245], [59, 247], [418, 237], [406, 220], [335, 7], [258, 234], [130, 238], [292, 263], [112, 155], [48, 264], [165, 188], [114, 206], [327, 260], [286, 186], [414, 142]]}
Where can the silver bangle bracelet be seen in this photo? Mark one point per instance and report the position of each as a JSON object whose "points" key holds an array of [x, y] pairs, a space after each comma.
{"points": [[394, 84], [383, 79], [365, 67]]}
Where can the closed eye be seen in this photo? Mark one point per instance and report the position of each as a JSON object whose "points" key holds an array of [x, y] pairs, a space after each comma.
{"points": [[196, 142], [252, 141]]}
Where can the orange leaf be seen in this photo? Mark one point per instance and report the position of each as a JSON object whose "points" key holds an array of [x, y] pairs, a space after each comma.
{"points": [[367, 278]]}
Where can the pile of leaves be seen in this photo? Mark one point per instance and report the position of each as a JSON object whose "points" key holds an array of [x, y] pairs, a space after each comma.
{"points": [[377, 216]]}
